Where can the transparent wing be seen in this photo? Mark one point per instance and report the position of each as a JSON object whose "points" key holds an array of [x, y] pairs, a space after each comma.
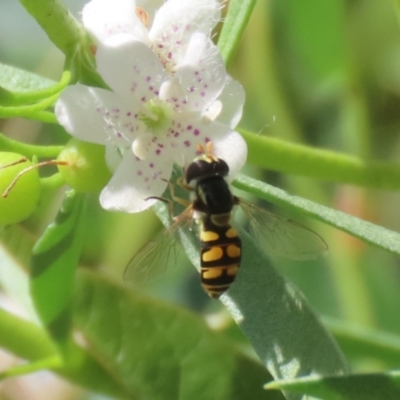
{"points": [[159, 255], [283, 236]]}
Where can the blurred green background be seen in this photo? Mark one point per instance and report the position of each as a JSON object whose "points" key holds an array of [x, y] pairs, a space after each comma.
{"points": [[322, 73]]}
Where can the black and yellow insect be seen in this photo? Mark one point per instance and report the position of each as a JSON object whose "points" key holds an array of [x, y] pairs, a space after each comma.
{"points": [[212, 203], [211, 206]]}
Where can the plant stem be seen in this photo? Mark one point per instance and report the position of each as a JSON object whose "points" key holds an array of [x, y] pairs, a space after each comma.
{"points": [[52, 182], [28, 341], [28, 150], [283, 156], [56, 20]]}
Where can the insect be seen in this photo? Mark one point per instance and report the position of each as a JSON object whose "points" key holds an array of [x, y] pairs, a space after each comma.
{"points": [[210, 207]]}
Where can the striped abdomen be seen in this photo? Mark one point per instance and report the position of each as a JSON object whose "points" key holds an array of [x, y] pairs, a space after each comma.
{"points": [[221, 250]]}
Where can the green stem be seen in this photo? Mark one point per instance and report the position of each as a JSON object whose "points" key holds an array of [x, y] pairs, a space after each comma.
{"points": [[52, 182], [47, 117], [282, 156], [56, 20], [69, 36], [28, 150], [30, 342], [24, 339], [45, 363], [23, 111]]}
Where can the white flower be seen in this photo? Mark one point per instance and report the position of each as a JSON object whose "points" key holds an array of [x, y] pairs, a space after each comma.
{"points": [[151, 119], [166, 27]]}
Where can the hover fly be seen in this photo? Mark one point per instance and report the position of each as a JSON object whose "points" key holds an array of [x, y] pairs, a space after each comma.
{"points": [[210, 207]]}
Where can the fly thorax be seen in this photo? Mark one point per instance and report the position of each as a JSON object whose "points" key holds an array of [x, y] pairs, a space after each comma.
{"points": [[216, 195]]}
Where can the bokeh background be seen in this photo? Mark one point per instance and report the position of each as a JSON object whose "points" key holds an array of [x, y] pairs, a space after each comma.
{"points": [[322, 73]]}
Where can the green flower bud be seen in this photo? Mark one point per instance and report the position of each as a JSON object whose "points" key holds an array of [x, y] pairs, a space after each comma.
{"points": [[86, 170], [23, 196]]}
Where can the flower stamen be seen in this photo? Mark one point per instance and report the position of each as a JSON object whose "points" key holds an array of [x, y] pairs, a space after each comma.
{"points": [[143, 16], [156, 115]]}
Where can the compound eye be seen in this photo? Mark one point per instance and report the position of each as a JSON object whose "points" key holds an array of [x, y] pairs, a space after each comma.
{"points": [[204, 168], [195, 170]]}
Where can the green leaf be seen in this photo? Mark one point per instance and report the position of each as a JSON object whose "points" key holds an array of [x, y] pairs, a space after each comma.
{"points": [[370, 233], [19, 87], [54, 261], [13, 277], [235, 22], [159, 351], [350, 387], [23, 94], [31, 111], [361, 342], [274, 316]]}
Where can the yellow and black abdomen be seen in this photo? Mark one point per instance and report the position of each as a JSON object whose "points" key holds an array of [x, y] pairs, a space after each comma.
{"points": [[221, 250]]}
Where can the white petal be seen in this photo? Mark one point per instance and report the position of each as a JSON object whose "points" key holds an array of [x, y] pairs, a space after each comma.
{"points": [[177, 20], [130, 68], [185, 137], [150, 6], [105, 18], [232, 148], [134, 181], [232, 99], [97, 115], [201, 74], [113, 157]]}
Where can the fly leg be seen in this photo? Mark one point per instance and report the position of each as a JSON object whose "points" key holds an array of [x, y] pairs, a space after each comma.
{"points": [[177, 199]]}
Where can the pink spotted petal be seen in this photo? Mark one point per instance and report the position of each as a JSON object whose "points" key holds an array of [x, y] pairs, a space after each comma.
{"points": [[227, 144], [201, 76], [105, 18], [176, 21], [134, 181], [130, 68], [232, 99], [97, 115]]}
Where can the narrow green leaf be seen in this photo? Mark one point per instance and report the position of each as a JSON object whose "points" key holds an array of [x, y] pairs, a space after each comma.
{"points": [[13, 278], [159, 351], [274, 316], [350, 387], [361, 342], [370, 233], [19, 87], [235, 22], [53, 265], [29, 111]]}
